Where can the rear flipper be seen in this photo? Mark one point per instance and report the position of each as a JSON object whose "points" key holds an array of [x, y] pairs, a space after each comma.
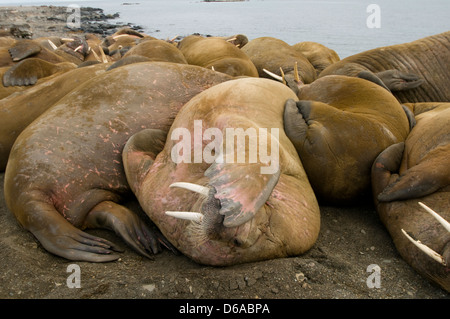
{"points": [[28, 72], [61, 238]]}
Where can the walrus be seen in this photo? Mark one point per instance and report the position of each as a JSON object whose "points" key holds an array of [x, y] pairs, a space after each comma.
{"points": [[417, 71], [339, 126], [218, 54], [271, 54], [247, 210], [317, 54], [405, 177], [17, 111], [65, 172]]}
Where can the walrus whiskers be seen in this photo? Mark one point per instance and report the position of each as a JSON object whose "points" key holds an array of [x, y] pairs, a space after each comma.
{"points": [[192, 187], [427, 250]]}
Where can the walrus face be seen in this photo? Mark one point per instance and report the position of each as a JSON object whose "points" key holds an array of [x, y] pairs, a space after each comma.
{"points": [[217, 211]]}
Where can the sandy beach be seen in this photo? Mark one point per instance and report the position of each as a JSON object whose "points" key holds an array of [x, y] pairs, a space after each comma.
{"points": [[353, 246]]}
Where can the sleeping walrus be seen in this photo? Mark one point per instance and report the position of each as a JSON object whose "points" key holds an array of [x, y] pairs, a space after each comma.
{"points": [[256, 208], [65, 171], [405, 177]]}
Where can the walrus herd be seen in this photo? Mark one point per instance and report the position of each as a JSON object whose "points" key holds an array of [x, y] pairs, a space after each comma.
{"points": [[228, 144]]}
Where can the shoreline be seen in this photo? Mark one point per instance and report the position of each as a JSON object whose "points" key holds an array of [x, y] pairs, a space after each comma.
{"points": [[30, 21]]}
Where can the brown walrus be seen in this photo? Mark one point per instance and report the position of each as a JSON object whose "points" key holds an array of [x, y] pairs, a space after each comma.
{"points": [[418, 170], [217, 53], [339, 126], [317, 54], [417, 71], [271, 54], [17, 111], [65, 172], [248, 210]]}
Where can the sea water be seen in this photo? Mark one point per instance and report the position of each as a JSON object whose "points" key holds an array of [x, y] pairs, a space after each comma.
{"points": [[347, 26]]}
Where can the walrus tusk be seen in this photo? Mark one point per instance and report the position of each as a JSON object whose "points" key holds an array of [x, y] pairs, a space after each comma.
{"points": [[443, 222], [282, 75], [54, 47], [78, 48], [212, 68], [192, 187], [275, 76], [102, 53], [427, 250], [296, 76], [196, 217], [96, 56]]}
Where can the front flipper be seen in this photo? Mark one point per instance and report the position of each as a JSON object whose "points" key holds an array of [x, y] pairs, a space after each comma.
{"points": [[431, 174], [139, 154], [27, 72], [241, 189], [396, 80]]}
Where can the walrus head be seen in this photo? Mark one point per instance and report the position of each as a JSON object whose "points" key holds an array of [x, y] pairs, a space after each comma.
{"points": [[219, 212]]}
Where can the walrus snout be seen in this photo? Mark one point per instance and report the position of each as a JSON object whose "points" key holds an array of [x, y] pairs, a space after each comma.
{"points": [[208, 223]]}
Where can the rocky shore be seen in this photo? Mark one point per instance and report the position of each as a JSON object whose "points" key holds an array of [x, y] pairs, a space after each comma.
{"points": [[37, 21]]}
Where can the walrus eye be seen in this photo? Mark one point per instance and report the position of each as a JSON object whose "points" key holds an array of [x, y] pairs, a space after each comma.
{"points": [[427, 250]]}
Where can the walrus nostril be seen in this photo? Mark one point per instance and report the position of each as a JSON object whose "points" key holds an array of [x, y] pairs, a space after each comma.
{"points": [[237, 242]]}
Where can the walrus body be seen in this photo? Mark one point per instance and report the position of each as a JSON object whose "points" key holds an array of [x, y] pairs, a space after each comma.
{"points": [[317, 54], [418, 171], [65, 170], [417, 71], [217, 53], [17, 111], [247, 214], [339, 126]]}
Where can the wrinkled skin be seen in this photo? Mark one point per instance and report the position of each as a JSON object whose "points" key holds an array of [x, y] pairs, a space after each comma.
{"points": [[417, 71], [247, 216], [338, 127], [418, 170], [17, 111], [217, 53], [65, 170], [317, 54], [272, 54]]}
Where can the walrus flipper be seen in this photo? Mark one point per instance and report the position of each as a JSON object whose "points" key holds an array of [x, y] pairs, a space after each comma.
{"points": [[24, 49], [241, 189], [139, 153], [397, 80], [27, 72], [419, 180], [60, 237]]}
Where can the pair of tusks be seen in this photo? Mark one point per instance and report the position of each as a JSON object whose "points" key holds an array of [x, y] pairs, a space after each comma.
{"points": [[282, 77], [102, 53], [193, 216], [232, 39], [427, 250]]}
